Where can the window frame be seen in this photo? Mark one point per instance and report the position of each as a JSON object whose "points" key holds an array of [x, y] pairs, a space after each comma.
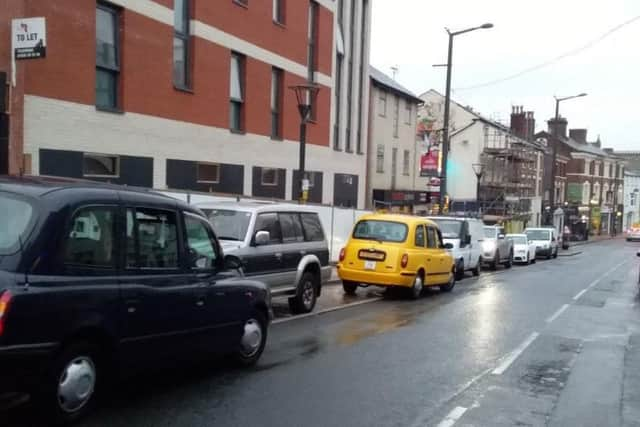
{"points": [[243, 3], [424, 236], [434, 231], [114, 71], [279, 12], [271, 240], [277, 76], [204, 181], [186, 38], [212, 238], [396, 117], [116, 173], [380, 159], [265, 184], [297, 239], [316, 218], [408, 112], [382, 103], [406, 162], [235, 102]]}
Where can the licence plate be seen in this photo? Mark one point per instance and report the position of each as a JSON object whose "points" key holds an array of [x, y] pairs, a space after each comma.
{"points": [[369, 265]]}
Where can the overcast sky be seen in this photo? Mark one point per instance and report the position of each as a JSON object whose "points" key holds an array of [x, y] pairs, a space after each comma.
{"points": [[410, 34]]}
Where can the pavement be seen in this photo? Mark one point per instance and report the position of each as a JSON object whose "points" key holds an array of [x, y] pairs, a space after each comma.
{"points": [[556, 343]]}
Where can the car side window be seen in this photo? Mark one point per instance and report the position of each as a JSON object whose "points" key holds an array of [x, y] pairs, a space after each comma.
{"points": [[291, 227], [91, 239], [432, 238], [152, 239], [312, 227], [201, 253], [420, 236], [269, 222]]}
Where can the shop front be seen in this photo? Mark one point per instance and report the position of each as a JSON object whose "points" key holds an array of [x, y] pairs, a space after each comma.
{"points": [[407, 202]]}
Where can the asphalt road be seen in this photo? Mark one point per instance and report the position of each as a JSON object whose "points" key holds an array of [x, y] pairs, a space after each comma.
{"points": [[555, 343]]}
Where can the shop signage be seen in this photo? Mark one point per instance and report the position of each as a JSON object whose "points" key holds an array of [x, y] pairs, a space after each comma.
{"points": [[29, 38], [574, 192]]}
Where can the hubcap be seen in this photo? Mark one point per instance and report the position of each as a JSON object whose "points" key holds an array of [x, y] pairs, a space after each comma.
{"points": [[252, 338], [76, 384], [308, 293], [417, 285]]}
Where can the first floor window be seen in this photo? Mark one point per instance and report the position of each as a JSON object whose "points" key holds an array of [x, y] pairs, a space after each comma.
{"points": [[276, 103], [100, 165], [405, 162], [107, 57], [181, 44], [209, 173], [380, 158], [269, 176]]}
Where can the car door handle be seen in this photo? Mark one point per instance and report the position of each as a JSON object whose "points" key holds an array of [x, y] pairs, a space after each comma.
{"points": [[278, 255]]}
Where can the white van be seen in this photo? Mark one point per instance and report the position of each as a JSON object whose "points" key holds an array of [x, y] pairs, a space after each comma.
{"points": [[466, 236]]}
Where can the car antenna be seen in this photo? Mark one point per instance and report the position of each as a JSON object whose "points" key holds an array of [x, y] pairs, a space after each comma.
{"points": [[26, 276]]}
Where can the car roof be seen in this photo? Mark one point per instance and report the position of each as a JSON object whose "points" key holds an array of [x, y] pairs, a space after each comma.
{"points": [[407, 219], [250, 206], [453, 218]]}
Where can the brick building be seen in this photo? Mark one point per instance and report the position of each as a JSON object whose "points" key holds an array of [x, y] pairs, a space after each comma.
{"points": [[192, 95]]}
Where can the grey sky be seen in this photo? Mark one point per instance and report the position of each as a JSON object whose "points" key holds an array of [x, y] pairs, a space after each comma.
{"points": [[410, 34]]}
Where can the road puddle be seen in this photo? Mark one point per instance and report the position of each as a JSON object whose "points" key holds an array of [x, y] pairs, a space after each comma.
{"points": [[384, 322]]}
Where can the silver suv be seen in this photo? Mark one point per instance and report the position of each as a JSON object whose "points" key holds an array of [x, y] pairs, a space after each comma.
{"points": [[281, 245]]}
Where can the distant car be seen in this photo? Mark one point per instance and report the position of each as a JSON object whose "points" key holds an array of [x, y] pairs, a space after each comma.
{"points": [[545, 239], [633, 234], [496, 249], [396, 251], [96, 277], [282, 245], [524, 250]]}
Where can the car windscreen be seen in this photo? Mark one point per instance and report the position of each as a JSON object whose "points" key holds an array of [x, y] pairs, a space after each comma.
{"points": [[538, 234], [518, 240], [382, 231], [16, 216], [489, 232], [450, 229], [229, 224]]}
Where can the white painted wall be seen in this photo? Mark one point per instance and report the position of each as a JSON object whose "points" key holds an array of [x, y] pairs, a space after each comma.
{"points": [[631, 183]]}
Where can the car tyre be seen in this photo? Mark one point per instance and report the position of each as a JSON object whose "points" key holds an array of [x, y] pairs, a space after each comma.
{"points": [[509, 262], [528, 261], [460, 270], [550, 254], [417, 288], [253, 340], [476, 270], [306, 294], [69, 388], [349, 287], [496, 261], [448, 287]]}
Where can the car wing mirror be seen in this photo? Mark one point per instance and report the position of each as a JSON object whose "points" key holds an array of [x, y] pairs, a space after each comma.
{"points": [[232, 262], [262, 238], [450, 246]]}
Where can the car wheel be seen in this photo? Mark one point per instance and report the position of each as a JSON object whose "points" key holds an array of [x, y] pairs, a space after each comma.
{"points": [[496, 261], [450, 284], [528, 260], [476, 270], [349, 287], [509, 262], [534, 259], [68, 390], [306, 295], [460, 270], [253, 340], [417, 287], [550, 254]]}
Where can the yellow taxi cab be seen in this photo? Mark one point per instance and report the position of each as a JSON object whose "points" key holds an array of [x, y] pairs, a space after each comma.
{"points": [[396, 251]]}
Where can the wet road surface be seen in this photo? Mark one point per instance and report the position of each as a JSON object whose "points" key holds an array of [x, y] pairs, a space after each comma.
{"points": [[555, 343]]}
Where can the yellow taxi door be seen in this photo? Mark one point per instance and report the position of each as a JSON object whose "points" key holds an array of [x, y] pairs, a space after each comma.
{"points": [[438, 256]]}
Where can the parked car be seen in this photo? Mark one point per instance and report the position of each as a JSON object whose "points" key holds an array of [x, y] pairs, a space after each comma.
{"points": [[466, 236], [396, 251], [545, 239], [496, 249], [96, 278], [633, 234], [524, 250], [282, 245]]}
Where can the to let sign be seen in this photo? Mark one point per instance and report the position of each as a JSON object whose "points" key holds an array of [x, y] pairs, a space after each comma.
{"points": [[29, 38]]}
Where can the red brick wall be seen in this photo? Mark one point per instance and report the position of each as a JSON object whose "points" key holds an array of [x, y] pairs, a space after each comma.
{"points": [[575, 166], [325, 40]]}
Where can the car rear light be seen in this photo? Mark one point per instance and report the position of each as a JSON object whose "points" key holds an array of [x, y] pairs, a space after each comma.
{"points": [[342, 254], [5, 299], [404, 261]]}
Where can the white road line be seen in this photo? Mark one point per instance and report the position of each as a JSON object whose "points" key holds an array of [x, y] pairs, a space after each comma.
{"points": [[453, 417], [557, 314], [514, 354], [595, 282], [577, 296], [327, 310]]}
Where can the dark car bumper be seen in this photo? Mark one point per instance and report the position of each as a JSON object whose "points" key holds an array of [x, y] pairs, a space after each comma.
{"points": [[22, 366], [543, 252]]}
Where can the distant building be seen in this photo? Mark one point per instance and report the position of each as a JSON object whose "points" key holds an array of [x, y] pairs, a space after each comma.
{"points": [[631, 199], [393, 173], [184, 95]]}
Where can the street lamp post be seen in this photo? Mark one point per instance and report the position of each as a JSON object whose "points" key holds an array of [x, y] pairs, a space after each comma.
{"points": [[554, 149], [447, 100], [478, 169], [305, 96]]}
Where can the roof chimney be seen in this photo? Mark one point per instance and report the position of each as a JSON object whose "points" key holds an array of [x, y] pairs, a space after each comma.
{"points": [[578, 135], [558, 127], [518, 121]]}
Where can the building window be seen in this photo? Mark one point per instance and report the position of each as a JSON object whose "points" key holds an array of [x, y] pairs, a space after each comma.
{"points": [[312, 43], [208, 173], [362, 79], [380, 159], [382, 103], [278, 11], [181, 69], [276, 103], [396, 116], [408, 111], [405, 162], [107, 57], [236, 92], [100, 166], [351, 51], [338, 90], [242, 2], [269, 177]]}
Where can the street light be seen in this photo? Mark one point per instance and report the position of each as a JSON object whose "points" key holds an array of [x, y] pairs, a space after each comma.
{"points": [[478, 169], [554, 149], [447, 100], [305, 95]]}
